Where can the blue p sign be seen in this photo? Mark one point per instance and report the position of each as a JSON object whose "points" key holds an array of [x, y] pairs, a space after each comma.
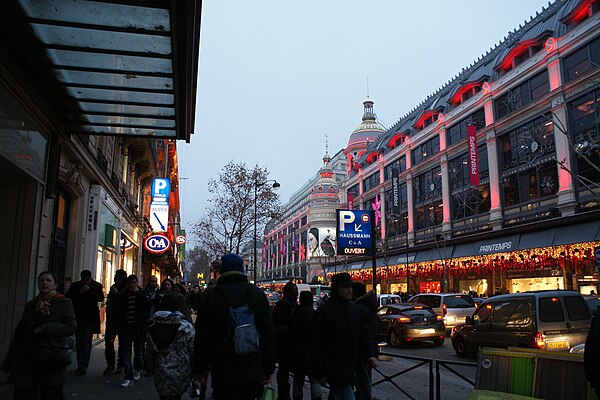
{"points": [[597, 255], [161, 189]]}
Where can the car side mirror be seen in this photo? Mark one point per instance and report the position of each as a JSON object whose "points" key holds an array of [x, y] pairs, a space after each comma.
{"points": [[469, 320]]}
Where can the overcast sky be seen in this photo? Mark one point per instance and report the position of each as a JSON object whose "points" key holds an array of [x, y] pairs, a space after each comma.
{"points": [[276, 76]]}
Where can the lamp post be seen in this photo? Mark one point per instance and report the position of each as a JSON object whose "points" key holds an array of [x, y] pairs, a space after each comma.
{"points": [[256, 186]]}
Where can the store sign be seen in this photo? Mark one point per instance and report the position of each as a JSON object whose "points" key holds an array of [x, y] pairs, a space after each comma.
{"points": [[473, 156], [180, 239], [495, 247], [351, 201], [354, 232], [161, 188], [159, 217], [157, 243]]}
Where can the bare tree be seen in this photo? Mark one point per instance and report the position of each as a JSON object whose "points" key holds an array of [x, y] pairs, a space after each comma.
{"points": [[198, 262], [228, 223]]}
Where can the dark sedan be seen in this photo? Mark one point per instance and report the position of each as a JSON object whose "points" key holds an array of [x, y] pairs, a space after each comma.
{"points": [[402, 323]]}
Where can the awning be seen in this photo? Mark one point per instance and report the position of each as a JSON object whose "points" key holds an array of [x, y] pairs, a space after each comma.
{"points": [[482, 247], [438, 253], [534, 240], [401, 259], [571, 234], [119, 67]]}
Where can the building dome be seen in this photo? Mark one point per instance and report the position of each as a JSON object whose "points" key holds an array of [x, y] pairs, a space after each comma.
{"points": [[326, 186], [367, 132]]}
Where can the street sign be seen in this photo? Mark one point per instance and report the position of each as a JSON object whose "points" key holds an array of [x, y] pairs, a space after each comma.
{"points": [[161, 188], [159, 217], [157, 243], [180, 239], [354, 232]]}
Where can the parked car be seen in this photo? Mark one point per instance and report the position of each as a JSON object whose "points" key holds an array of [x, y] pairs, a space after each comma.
{"points": [[478, 301], [386, 299], [593, 302], [554, 320], [453, 307], [401, 323]]}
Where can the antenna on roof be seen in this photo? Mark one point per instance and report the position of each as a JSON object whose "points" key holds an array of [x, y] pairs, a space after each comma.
{"points": [[368, 86], [326, 143]]}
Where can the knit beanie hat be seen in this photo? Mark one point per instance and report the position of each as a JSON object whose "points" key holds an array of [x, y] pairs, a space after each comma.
{"points": [[231, 263]]}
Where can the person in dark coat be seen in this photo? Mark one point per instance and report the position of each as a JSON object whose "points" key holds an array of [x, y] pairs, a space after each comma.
{"points": [[194, 298], [85, 295], [368, 305], [234, 377], [112, 323], [342, 339], [48, 315], [281, 317], [300, 333], [134, 313], [168, 287]]}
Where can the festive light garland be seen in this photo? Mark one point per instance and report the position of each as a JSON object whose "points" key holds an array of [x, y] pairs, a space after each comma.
{"points": [[577, 258]]}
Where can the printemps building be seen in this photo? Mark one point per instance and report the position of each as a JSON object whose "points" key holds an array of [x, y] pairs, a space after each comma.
{"points": [[524, 214]]}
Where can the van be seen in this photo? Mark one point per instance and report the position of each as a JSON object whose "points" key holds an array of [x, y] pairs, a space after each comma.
{"points": [[555, 320], [388, 299], [453, 307]]}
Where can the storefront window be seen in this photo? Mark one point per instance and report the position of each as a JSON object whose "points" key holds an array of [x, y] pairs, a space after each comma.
{"points": [[21, 142], [529, 168], [584, 114]]}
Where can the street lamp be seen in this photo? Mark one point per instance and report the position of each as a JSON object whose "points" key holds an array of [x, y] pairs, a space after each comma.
{"points": [[256, 186]]}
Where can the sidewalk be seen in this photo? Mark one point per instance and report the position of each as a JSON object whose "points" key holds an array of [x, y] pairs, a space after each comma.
{"points": [[94, 385]]}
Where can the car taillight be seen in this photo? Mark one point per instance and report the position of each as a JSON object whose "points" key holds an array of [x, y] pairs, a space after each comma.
{"points": [[444, 310], [403, 320], [539, 340], [439, 317]]}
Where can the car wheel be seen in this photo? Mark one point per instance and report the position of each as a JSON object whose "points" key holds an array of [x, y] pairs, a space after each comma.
{"points": [[438, 342], [394, 339], [461, 347]]}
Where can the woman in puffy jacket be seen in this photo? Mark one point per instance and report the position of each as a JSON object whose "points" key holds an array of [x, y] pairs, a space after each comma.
{"points": [[48, 317]]}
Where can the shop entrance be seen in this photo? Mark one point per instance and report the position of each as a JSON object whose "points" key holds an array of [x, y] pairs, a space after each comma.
{"points": [[19, 210]]}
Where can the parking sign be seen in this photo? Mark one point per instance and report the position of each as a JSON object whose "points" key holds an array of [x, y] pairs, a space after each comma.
{"points": [[161, 188], [354, 232]]}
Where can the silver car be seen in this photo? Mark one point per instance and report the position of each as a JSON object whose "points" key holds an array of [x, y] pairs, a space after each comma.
{"points": [[453, 307]]}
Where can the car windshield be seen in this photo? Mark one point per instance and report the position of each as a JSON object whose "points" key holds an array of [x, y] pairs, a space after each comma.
{"points": [[459, 301]]}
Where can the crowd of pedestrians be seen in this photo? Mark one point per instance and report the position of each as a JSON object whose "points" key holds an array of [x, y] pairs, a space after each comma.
{"points": [[236, 338]]}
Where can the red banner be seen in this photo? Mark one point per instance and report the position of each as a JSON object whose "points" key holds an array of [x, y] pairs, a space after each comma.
{"points": [[473, 155], [350, 201]]}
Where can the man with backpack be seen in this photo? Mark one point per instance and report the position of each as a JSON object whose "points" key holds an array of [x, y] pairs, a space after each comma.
{"points": [[234, 335]]}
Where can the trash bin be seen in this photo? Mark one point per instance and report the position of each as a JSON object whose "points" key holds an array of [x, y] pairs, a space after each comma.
{"points": [[505, 371], [535, 373]]}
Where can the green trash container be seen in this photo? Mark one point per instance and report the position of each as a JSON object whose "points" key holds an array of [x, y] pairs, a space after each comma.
{"points": [[505, 371]]}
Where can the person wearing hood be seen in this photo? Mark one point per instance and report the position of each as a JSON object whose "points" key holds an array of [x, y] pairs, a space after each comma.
{"points": [[342, 340], [368, 305], [300, 332], [169, 350], [233, 376]]}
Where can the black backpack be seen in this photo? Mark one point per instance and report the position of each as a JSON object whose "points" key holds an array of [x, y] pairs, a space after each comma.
{"points": [[591, 357], [242, 336]]}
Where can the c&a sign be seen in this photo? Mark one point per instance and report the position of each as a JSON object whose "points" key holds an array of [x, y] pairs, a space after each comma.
{"points": [[157, 243]]}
